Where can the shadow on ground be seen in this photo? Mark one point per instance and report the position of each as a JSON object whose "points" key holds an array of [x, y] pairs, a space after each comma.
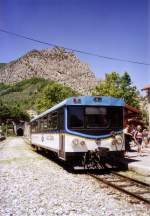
{"points": [[69, 167]]}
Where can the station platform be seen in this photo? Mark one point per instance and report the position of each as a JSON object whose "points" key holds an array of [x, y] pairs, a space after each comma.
{"points": [[139, 166]]}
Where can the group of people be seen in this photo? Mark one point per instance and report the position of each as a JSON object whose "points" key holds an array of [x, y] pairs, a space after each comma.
{"points": [[136, 135]]}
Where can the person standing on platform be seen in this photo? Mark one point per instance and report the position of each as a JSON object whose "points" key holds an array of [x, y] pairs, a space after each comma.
{"points": [[128, 137], [138, 136], [145, 138]]}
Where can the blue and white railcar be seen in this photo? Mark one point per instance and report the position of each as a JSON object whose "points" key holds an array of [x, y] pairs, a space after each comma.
{"points": [[79, 124]]}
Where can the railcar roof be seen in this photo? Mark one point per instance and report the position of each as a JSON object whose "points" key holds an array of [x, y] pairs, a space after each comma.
{"points": [[85, 101]]}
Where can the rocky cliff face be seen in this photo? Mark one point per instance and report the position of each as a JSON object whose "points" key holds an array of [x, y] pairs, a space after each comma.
{"points": [[53, 64]]}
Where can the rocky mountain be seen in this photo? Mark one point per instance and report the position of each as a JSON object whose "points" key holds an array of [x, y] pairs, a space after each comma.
{"points": [[53, 64]]}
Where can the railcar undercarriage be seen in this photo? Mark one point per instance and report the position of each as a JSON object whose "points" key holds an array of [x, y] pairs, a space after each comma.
{"points": [[102, 158]]}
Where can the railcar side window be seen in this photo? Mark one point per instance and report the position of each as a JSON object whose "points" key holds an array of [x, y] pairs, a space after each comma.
{"points": [[34, 126], [54, 121], [49, 122], [38, 128], [61, 119], [45, 122], [41, 124]]}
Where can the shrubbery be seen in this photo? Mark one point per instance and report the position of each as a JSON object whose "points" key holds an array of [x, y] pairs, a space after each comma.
{"points": [[35, 93]]}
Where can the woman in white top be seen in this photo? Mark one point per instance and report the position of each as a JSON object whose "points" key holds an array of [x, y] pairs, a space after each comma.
{"points": [[138, 136]]}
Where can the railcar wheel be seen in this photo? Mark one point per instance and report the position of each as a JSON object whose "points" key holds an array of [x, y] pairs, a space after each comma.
{"points": [[36, 148], [33, 147]]}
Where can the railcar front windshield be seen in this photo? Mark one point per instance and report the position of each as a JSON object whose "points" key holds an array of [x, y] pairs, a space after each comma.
{"points": [[94, 118]]}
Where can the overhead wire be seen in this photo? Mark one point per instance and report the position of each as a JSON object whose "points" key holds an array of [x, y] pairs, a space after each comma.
{"points": [[72, 49]]}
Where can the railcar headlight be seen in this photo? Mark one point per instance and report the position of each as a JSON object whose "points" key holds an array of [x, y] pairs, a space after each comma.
{"points": [[119, 139], [82, 142], [75, 142], [114, 141]]}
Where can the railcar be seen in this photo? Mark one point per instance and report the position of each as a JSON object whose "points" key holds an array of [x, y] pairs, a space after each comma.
{"points": [[81, 124]]}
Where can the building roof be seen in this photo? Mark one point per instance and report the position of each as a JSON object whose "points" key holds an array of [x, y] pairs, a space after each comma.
{"points": [[132, 109], [146, 87]]}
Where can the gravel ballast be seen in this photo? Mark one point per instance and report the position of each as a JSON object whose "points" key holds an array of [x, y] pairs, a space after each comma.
{"points": [[33, 185]]}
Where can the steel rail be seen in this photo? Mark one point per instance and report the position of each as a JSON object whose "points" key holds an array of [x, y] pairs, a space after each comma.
{"points": [[107, 182], [131, 179]]}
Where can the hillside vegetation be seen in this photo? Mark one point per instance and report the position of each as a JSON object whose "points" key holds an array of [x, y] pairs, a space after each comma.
{"points": [[2, 65], [40, 94], [35, 93]]}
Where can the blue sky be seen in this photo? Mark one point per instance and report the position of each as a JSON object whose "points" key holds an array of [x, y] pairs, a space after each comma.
{"points": [[115, 28]]}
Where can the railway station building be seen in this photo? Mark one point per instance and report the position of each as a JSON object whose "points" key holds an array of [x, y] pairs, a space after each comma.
{"points": [[147, 89], [132, 115]]}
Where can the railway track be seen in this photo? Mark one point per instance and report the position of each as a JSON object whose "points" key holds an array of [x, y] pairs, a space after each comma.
{"points": [[134, 188]]}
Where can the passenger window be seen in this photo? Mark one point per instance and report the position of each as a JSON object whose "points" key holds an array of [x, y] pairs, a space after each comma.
{"points": [[49, 121], [61, 119], [34, 126], [54, 119], [39, 127], [41, 124], [45, 123]]}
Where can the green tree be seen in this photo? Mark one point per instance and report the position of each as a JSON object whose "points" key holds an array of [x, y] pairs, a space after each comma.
{"points": [[12, 113], [17, 114], [119, 86], [5, 112], [52, 94]]}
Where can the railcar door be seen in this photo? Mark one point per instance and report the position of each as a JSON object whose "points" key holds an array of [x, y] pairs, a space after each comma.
{"points": [[61, 120], [62, 146]]}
